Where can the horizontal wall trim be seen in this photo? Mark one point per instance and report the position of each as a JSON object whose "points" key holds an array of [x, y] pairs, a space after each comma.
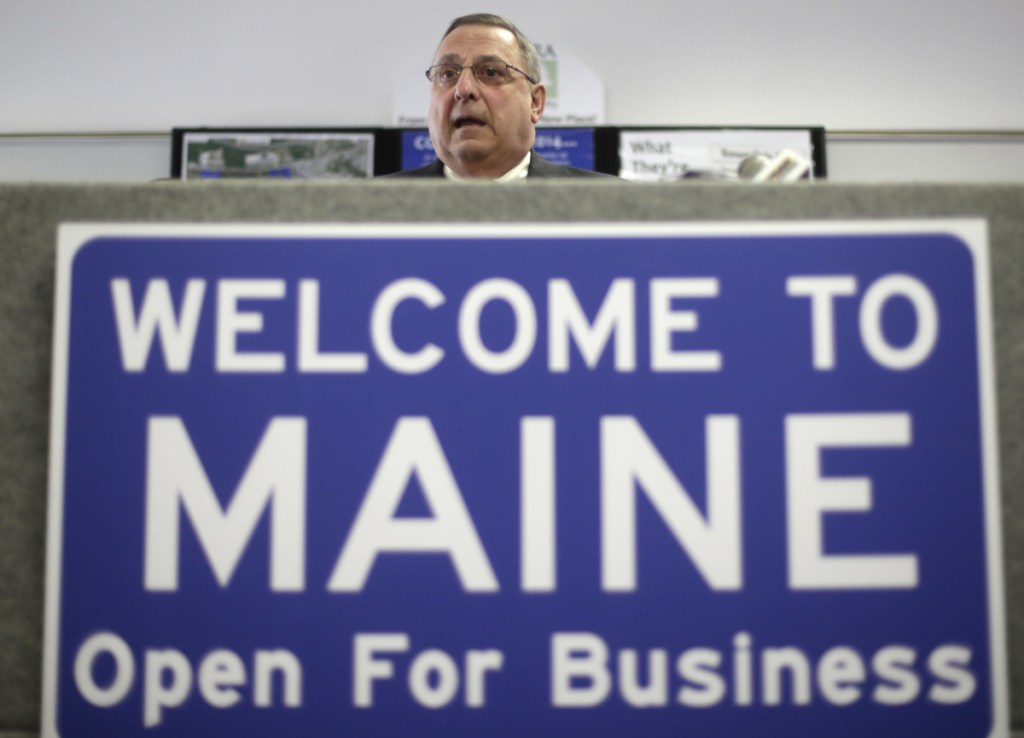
{"points": [[964, 136], [57, 135], [836, 134]]}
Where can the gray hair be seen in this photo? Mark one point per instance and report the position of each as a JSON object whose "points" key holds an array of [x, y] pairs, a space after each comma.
{"points": [[531, 59]]}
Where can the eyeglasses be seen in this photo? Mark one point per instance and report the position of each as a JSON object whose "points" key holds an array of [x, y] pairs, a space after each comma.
{"points": [[491, 73]]}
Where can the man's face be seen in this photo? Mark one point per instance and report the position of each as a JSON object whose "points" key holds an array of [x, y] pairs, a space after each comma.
{"points": [[480, 130]]}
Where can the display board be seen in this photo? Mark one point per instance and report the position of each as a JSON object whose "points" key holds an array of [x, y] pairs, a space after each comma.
{"points": [[639, 153]]}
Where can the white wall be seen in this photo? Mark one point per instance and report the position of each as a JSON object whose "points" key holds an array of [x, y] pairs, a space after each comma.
{"points": [[913, 158], [126, 65]]}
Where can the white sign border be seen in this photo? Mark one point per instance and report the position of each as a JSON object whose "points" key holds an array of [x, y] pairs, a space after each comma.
{"points": [[72, 237]]}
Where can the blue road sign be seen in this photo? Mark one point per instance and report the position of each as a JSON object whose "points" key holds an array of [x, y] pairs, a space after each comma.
{"points": [[601, 480]]}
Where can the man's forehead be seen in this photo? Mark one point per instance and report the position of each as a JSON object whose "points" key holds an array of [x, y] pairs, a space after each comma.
{"points": [[454, 57], [479, 42]]}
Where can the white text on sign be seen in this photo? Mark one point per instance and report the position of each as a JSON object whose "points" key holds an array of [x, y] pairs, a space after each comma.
{"points": [[241, 306], [177, 485]]}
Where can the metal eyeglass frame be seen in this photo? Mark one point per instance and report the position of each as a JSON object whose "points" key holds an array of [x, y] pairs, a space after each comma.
{"points": [[481, 66]]}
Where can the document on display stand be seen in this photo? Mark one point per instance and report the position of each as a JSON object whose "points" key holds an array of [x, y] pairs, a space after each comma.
{"points": [[668, 155]]}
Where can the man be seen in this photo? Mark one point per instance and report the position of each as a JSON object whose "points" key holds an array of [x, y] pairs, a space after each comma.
{"points": [[485, 100]]}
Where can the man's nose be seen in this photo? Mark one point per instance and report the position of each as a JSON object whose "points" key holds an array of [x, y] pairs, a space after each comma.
{"points": [[467, 87]]}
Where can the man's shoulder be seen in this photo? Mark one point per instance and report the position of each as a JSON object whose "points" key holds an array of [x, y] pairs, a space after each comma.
{"points": [[540, 167], [433, 169]]}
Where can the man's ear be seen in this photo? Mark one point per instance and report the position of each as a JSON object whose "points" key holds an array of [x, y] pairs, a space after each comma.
{"points": [[538, 98]]}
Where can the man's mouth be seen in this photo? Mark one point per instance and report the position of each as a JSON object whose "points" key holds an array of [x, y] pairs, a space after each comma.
{"points": [[466, 121]]}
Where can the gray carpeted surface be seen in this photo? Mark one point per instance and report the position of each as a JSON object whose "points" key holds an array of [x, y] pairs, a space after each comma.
{"points": [[29, 215]]}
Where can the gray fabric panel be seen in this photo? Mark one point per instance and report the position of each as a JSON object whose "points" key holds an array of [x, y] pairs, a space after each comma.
{"points": [[29, 215]]}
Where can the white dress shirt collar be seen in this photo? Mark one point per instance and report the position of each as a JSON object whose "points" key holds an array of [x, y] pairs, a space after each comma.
{"points": [[519, 171]]}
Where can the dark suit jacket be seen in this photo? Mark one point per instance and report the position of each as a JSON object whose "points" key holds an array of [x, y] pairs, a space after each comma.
{"points": [[538, 168]]}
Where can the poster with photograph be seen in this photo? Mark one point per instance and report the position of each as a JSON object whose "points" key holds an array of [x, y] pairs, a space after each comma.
{"points": [[225, 154]]}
